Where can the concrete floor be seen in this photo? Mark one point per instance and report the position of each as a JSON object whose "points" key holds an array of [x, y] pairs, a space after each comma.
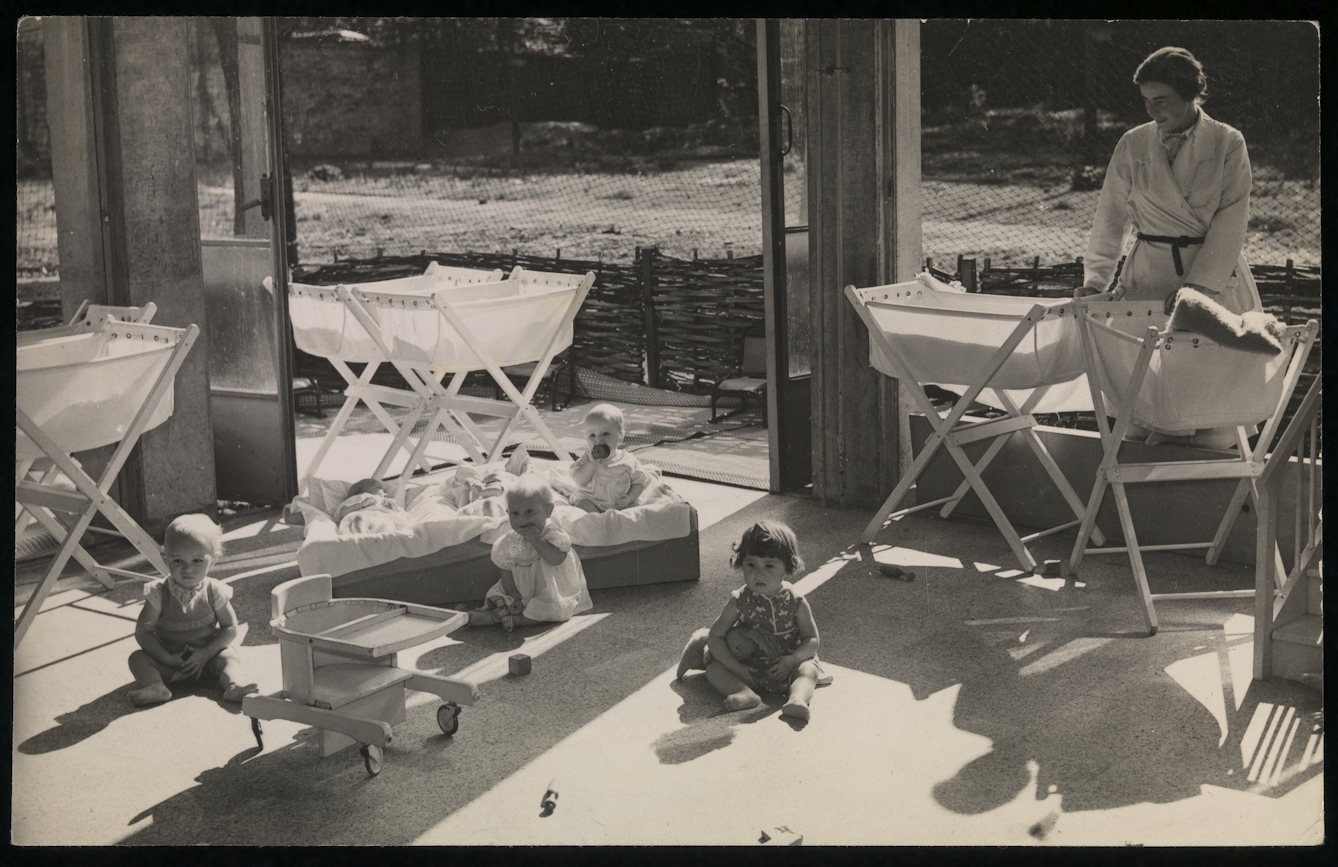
{"points": [[974, 705]]}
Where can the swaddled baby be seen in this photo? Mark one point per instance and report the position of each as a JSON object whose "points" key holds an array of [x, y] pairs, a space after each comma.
{"points": [[369, 509]]}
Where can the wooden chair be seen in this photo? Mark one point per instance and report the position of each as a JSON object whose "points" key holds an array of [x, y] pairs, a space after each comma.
{"points": [[520, 374], [309, 398], [749, 379]]}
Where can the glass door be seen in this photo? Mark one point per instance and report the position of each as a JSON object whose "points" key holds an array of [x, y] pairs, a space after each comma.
{"points": [[782, 96], [243, 257]]}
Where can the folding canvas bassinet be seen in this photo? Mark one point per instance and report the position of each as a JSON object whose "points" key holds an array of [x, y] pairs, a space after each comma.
{"points": [[95, 382], [1174, 383], [921, 332], [525, 318]]}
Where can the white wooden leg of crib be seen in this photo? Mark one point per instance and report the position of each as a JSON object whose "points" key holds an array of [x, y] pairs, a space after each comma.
{"points": [[992, 506], [1135, 557]]}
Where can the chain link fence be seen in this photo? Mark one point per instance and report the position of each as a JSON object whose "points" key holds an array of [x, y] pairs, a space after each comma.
{"points": [[589, 138]]}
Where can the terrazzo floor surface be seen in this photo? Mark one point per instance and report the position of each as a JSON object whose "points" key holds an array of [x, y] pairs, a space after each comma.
{"points": [[974, 705]]}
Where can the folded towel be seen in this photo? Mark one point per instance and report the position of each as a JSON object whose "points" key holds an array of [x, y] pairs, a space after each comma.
{"points": [[1255, 331]]}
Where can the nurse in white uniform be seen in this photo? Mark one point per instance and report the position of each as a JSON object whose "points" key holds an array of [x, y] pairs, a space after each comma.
{"points": [[1175, 203]]}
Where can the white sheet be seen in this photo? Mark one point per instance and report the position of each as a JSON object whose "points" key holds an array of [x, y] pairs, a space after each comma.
{"points": [[438, 523]]}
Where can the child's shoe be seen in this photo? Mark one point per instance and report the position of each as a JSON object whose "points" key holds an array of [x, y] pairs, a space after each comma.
{"points": [[694, 654]]}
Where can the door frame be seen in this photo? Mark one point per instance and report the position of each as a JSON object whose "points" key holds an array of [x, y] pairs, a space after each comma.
{"points": [[781, 404]]}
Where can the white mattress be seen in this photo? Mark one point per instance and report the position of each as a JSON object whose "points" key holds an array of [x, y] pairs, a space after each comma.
{"points": [[438, 523]]}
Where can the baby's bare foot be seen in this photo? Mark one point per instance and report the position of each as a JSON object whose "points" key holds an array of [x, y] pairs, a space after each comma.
{"points": [[149, 695], [797, 709], [739, 701], [240, 691]]}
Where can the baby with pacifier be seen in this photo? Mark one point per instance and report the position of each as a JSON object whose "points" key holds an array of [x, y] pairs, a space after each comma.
{"points": [[606, 475]]}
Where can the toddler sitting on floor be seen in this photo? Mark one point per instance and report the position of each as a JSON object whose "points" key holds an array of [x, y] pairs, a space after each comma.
{"points": [[542, 578], [187, 626], [606, 475]]}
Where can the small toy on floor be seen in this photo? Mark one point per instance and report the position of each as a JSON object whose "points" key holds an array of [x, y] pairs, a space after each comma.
{"points": [[891, 570], [548, 803], [518, 663], [781, 836], [187, 626]]}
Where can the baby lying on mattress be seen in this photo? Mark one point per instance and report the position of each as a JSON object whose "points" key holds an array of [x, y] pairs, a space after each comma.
{"points": [[369, 509]]}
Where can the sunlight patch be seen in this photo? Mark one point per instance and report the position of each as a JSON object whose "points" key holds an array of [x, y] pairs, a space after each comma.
{"points": [[819, 576], [1238, 625], [912, 557], [495, 666], [1074, 649], [1201, 677]]}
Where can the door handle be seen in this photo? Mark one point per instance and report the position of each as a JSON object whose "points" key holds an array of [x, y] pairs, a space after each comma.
{"points": [[266, 200], [789, 130]]}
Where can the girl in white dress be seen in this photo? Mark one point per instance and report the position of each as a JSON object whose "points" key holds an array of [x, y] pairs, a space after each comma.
{"points": [[542, 578]]}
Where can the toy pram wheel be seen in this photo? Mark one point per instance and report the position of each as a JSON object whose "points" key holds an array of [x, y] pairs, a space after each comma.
{"points": [[371, 757], [258, 732], [448, 717]]}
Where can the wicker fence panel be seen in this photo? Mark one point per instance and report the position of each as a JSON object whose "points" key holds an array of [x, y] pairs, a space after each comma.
{"points": [[703, 309]]}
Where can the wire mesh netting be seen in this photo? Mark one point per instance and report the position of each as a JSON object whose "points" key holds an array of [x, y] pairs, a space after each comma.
{"points": [[581, 138], [589, 138]]}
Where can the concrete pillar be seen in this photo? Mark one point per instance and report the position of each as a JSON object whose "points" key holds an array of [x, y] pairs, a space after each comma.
{"points": [[863, 183], [128, 220]]}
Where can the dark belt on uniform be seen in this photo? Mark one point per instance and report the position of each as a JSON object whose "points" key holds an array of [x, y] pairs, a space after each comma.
{"points": [[1176, 244]]}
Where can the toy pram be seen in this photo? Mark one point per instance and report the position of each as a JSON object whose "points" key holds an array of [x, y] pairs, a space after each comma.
{"points": [[339, 667]]}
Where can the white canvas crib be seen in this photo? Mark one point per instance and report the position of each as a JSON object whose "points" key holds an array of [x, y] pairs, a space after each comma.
{"points": [[95, 382], [325, 326], [460, 323], [922, 332], [1174, 383], [527, 318]]}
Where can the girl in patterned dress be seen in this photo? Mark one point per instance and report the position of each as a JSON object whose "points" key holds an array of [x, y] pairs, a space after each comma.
{"points": [[187, 625], [768, 555], [542, 578]]}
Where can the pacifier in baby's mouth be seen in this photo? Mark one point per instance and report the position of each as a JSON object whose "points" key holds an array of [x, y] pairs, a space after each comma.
{"points": [[600, 451]]}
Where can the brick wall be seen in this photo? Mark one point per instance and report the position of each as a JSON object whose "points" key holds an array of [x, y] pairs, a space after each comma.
{"points": [[351, 100]]}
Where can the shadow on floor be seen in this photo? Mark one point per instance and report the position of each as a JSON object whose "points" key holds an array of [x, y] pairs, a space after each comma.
{"points": [[1066, 685]]}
